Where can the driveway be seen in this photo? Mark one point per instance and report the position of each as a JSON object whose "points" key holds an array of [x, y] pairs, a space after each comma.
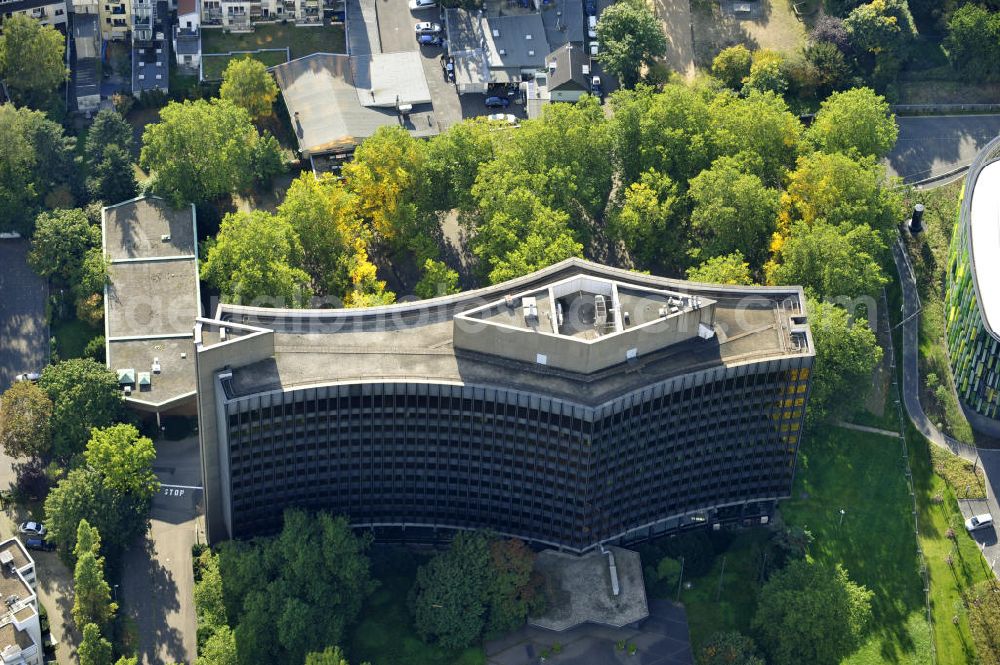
{"points": [[54, 589], [930, 146], [395, 29], [675, 15], [24, 332], [987, 538], [157, 580], [661, 639]]}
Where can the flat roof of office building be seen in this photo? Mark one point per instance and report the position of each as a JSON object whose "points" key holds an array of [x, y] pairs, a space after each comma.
{"points": [[416, 341], [152, 297]]}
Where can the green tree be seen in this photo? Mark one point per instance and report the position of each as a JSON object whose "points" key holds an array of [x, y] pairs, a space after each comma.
{"points": [[452, 164], [810, 613], [831, 261], [36, 159], [766, 73], [383, 175], [513, 590], [32, 60], [650, 222], [846, 354], [329, 656], [219, 648], [668, 571], [257, 257], [631, 37], [830, 68], [855, 121], [112, 491], [729, 648], [88, 539], [448, 597], [438, 280], [759, 131], [296, 593], [109, 128], [266, 159], [367, 290], [112, 179], [247, 83], [200, 150], [728, 269], [323, 214], [973, 42], [841, 190], [26, 422], [94, 649], [208, 596], [675, 134], [92, 602], [732, 65], [60, 244], [732, 211], [882, 27], [84, 394]]}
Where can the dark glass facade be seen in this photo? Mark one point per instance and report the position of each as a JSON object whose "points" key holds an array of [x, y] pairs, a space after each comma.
{"points": [[547, 470]]}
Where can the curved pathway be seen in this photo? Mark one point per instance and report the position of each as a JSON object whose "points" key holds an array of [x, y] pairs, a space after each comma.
{"points": [[988, 459]]}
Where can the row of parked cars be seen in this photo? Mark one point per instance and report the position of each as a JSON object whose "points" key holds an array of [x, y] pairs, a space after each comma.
{"points": [[33, 534]]}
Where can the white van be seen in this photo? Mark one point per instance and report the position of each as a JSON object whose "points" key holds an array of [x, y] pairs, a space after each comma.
{"points": [[592, 27], [977, 522]]}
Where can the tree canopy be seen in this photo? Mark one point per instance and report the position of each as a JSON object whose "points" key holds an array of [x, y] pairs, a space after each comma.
{"points": [[32, 60], [84, 394], [60, 244], [26, 421], [767, 73], [732, 65], [729, 648], [810, 613], [631, 37], [856, 120], [651, 223], [972, 43], [728, 269], [94, 649], [36, 159], [201, 150], [847, 352], [247, 84], [296, 593], [257, 258]]}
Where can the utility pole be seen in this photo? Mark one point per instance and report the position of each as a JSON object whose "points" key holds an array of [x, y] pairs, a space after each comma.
{"points": [[680, 581], [718, 593]]}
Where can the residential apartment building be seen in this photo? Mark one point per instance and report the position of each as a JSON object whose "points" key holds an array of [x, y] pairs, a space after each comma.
{"points": [[187, 35], [46, 12], [973, 305], [115, 19], [242, 14], [150, 46], [20, 629], [574, 406]]}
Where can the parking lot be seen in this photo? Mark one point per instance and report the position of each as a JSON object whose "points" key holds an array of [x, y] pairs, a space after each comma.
{"points": [[24, 332]]}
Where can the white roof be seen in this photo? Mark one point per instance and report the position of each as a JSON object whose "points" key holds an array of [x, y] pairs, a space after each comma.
{"points": [[985, 229]]}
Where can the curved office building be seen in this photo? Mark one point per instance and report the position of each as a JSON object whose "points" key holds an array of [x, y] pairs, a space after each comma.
{"points": [[973, 307], [577, 405]]}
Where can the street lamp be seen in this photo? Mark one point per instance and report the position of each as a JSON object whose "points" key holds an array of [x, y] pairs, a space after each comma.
{"points": [[115, 587], [842, 513]]}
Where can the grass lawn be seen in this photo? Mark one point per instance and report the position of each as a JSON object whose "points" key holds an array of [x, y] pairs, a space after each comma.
{"points": [[214, 65], [863, 474], [300, 41], [72, 337], [384, 635]]}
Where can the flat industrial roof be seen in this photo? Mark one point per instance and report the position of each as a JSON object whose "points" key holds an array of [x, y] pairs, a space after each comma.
{"points": [[385, 79], [415, 341], [985, 230], [152, 296], [326, 113]]}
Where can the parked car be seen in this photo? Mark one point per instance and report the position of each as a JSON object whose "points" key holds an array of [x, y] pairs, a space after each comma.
{"points": [[28, 376], [592, 27], [595, 48], [429, 40], [449, 68], [591, 7], [495, 102], [509, 118], [427, 28], [977, 522], [39, 544], [32, 529], [423, 4], [595, 86]]}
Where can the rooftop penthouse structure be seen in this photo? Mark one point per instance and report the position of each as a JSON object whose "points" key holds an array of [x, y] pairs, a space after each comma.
{"points": [[574, 406]]}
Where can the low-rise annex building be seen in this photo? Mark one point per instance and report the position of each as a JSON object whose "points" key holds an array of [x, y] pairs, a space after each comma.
{"points": [[577, 405]]}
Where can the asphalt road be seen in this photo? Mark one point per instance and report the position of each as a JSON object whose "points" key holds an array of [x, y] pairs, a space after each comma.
{"points": [[930, 146], [990, 459], [24, 333], [157, 581]]}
